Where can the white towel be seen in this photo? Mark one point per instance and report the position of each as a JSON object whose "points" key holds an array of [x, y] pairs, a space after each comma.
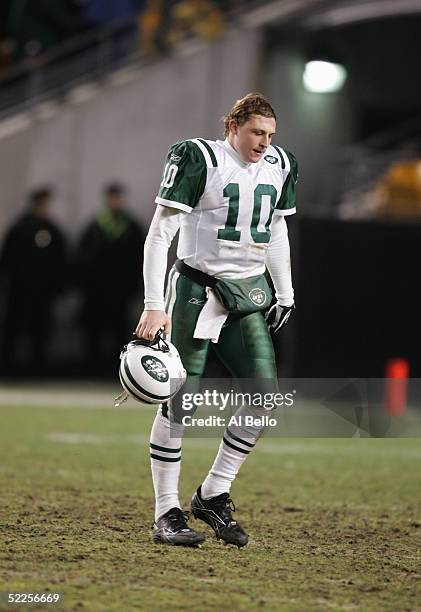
{"points": [[211, 319]]}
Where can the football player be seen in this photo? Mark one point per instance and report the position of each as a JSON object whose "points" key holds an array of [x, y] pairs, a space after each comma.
{"points": [[228, 199]]}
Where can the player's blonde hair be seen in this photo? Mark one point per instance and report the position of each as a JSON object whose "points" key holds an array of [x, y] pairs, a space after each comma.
{"points": [[253, 103]]}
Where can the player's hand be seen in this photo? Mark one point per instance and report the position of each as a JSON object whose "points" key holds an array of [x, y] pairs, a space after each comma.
{"points": [[277, 316], [150, 322]]}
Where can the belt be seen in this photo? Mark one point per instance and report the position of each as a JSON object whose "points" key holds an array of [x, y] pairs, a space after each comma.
{"points": [[201, 278]]}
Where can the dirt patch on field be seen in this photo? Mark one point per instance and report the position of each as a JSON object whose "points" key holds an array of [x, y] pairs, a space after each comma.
{"points": [[96, 550]]}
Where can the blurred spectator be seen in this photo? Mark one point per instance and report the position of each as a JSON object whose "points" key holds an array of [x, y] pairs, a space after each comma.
{"points": [[29, 27], [33, 268], [398, 193], [154, 23], [109, 269], [202, 18]]}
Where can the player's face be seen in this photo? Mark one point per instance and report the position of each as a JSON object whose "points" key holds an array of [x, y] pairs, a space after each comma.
{"points": [[252, 138]]}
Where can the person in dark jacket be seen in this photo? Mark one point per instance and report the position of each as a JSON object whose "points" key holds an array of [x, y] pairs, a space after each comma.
{"points": [[109, 264], [33, 270]]}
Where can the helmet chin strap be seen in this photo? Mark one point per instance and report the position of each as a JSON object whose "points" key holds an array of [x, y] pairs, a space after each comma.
{"points": [[120, 399], [157, 344]]}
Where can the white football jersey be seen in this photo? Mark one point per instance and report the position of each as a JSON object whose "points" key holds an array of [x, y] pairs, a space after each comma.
{"points": [[230, 204]]}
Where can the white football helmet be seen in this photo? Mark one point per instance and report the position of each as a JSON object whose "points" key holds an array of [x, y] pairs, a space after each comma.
{"points": [[151, 371]]}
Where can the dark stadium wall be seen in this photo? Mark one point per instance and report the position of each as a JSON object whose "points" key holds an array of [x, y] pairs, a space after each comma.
{"points": [[358, 298]]}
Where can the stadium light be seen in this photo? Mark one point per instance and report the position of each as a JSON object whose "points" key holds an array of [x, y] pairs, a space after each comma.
{"points": [[323, 76]]}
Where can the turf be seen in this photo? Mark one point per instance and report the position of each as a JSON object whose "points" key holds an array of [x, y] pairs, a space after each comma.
{"points": [[334, 524]]}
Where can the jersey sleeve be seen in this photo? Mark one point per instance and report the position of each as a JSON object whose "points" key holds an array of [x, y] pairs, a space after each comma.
{"points": [[184, 177], [286, 204]]}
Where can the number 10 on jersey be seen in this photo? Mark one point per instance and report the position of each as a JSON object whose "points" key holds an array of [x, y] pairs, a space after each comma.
{"points": [[170, 172], [232, 191]]}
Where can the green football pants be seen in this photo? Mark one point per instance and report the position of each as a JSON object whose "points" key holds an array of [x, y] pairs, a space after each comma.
{"points": [[244, 346]]}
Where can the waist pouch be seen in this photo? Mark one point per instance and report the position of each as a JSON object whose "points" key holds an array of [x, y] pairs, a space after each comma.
{"points": [[242, 296]]}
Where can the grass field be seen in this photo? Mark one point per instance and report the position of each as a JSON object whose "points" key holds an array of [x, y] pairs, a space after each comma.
{"points": [[334, 524]]}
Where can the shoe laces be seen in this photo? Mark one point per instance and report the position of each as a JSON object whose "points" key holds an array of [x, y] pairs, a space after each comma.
{"points": [[179, 518], [225, 507]]}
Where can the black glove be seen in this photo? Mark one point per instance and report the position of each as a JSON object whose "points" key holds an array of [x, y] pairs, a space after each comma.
{"points": [[277, 316]]}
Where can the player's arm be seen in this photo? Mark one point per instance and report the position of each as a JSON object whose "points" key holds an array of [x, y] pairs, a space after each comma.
{"points": [[278, 263], [164, 227], [182, 185], [278, 256]]}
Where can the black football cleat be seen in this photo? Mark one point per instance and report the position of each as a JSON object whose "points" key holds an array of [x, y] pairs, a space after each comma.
{"points": [[216, 512], [172, 528]]}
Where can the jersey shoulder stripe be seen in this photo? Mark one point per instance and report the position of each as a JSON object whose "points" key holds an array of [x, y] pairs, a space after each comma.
{"points": [[288, 161], [286, 204], [207, 152], [285, 165], [293, 165], [211, 153]]}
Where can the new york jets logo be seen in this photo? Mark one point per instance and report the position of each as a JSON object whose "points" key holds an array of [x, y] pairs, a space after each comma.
{"points": [[257, 296], [155, 368], [271, 159]]}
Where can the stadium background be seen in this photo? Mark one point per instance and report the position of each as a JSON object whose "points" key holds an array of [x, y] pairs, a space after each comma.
{"points": [[88, 96], [100, 111]]}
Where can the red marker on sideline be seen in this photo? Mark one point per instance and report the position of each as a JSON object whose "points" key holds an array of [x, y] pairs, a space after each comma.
{"points": [[396, 386]]}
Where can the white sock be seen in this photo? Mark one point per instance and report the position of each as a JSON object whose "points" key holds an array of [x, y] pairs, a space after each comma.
{"points": [[165, 450], [238, 441]]}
